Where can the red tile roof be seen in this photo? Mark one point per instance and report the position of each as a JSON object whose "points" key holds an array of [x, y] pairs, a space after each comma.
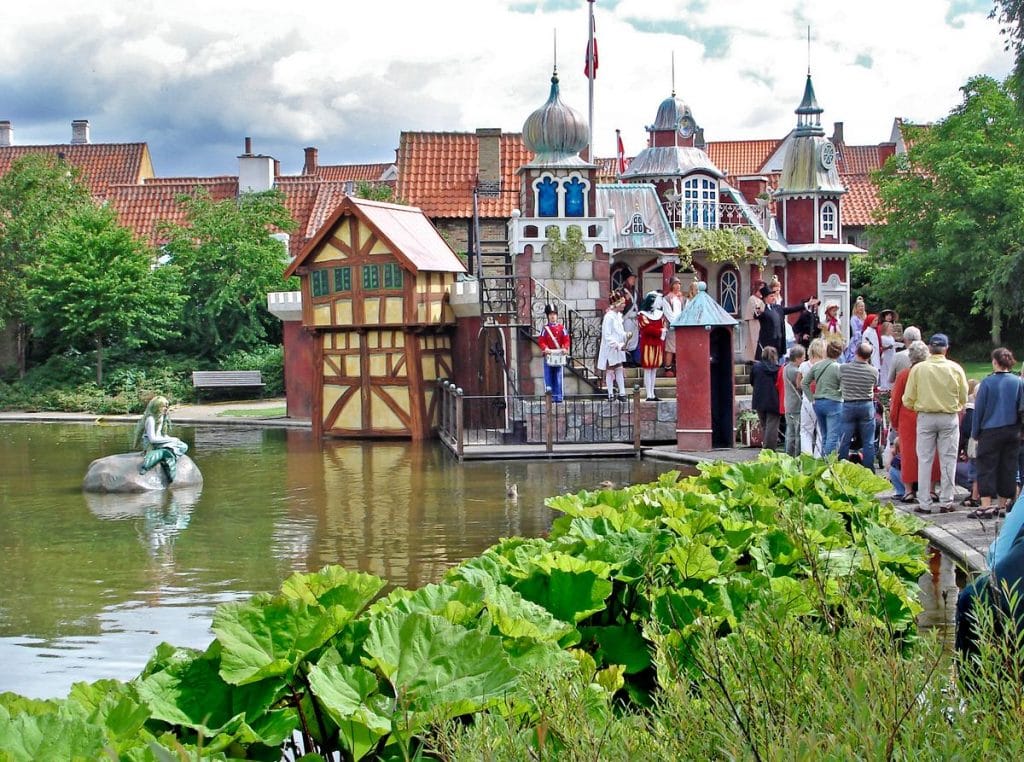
{"points": [[102, 164], [437, 172], [860, 160], [860, 200], [142, 207], [352, 172], [741, 157]]}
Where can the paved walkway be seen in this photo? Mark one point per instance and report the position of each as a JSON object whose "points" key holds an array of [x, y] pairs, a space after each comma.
{"points": [[963, 538]]}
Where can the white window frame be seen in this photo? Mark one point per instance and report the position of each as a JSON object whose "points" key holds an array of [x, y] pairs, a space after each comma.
{"points": [[829, 227]]}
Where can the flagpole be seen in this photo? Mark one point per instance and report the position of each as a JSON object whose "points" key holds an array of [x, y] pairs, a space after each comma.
{"points": [[590, 79]]}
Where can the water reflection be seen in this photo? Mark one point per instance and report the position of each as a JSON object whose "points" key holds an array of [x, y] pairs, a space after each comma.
{"points": [[93, 582]]}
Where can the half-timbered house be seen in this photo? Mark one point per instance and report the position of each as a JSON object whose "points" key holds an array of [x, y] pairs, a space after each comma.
{"points": [[375, 283]]}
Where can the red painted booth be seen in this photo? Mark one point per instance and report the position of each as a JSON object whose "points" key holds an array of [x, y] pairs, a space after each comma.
{"points": [[705, 374]]}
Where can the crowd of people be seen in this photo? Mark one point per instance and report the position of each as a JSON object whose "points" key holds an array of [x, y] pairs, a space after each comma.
{"points": [[885, 398]]}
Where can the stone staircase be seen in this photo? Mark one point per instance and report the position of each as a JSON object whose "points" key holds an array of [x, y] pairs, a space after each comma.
{"points": [[665, 386]]}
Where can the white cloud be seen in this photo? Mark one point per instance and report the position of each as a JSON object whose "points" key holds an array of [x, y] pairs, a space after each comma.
{"points": [[194, 77]]}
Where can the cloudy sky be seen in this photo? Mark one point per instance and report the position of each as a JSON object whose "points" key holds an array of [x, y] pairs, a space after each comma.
{"points": [[193, 77]]}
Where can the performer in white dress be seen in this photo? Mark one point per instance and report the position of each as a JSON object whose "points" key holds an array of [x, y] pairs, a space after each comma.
{"points": [[612, 354]]}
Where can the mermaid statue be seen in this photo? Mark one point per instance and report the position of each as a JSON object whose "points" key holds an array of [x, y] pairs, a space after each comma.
{"points": [[157, 445]]}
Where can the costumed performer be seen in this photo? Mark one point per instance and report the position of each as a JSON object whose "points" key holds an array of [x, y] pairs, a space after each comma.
{"points": [[651, 324], [554, 343]]}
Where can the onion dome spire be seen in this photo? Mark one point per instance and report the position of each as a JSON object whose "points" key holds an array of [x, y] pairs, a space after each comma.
{"points": [[808, 113], [555, 131]]}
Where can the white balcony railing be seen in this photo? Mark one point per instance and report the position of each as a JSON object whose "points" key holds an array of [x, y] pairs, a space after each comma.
{"points": [[715, 214]]}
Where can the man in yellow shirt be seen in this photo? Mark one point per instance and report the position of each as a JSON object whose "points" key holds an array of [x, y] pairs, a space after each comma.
{"points": [[937, 392]]}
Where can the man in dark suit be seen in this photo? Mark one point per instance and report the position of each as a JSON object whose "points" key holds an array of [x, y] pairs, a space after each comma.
{"points": [[771, 318], [808, 325]]}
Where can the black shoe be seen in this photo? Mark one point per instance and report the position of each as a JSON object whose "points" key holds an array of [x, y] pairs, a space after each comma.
{"points": [[654, 399], [623, 398]]}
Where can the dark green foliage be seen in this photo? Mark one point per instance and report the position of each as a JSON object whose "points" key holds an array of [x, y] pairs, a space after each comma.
{"points": [[228, 264], [267, 359], [96, 287], [950, 254]]}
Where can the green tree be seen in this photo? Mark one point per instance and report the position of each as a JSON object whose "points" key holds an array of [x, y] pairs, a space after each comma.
{"points": [[375, 192], [1010, 14], [952, 242], [96, 287], [36, 194], [229, 263]]}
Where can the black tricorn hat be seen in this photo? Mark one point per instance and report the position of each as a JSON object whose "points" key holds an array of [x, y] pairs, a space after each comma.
{"points": [[627, 271], [550, 309]]}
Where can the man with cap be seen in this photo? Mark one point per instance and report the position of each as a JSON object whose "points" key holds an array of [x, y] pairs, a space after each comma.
{"points": [[937, 391], [772, 332]]}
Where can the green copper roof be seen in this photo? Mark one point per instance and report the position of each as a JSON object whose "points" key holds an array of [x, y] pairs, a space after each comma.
{"points": [[704, 311]]}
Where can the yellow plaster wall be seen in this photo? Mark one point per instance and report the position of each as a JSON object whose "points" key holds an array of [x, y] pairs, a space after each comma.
{"points": [[393, 309], [381, 416], [321, 314], [329, 253]]}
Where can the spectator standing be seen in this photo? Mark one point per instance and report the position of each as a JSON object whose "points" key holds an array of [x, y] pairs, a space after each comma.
{"points": [[765, 400], [810, 442], [828, 397], [904, 420], [857, 382], [937, 392], [793, 399], [997, 431], [901, 360]]}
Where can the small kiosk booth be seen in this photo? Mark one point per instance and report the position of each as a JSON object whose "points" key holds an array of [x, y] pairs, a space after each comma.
{"points": [[705, 374]]}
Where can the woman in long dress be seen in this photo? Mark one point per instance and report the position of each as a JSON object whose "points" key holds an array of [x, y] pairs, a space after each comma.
{"points": [[612, 352], [158, 446], [751, 325], [673, 306], [858, 315]]}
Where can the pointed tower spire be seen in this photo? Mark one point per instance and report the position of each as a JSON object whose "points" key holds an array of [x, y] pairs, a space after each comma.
{"points": [[808, 113]]}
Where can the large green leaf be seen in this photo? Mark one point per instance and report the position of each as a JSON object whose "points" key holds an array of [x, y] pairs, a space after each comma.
{"points": [[620, 644], [62, 734], [333, 586], [570, 589], [516, 617], [351, 698], [192, 693], [267, 636], [113, 706], [693, 560], [436, 667]]}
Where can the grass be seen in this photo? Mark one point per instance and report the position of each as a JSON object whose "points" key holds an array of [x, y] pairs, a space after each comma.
{"points": [[254, 412], [977, 368]]}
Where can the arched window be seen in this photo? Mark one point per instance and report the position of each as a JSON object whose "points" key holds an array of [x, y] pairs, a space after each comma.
{"points": [[700, 202], [547, 198], [729, 291], [829, 220], [575, 198]]}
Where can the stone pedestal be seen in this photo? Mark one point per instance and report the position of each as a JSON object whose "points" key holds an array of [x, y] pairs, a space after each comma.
{"points": [[120, 473]]}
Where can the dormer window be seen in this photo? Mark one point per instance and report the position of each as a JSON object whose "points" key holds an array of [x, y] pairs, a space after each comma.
{"points": [[700, 202], [636, 226], [829, 220]]}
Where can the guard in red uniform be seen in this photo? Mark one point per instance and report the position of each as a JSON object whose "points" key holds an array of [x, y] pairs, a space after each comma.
{"points": [[554, 343], [651, 325]]}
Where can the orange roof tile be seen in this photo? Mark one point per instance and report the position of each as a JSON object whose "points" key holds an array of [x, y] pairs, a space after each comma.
{"points": [[860, 200], [102, 164], [352, 172], [437, 172], [741, 157], [142, 207], [860, 160]]}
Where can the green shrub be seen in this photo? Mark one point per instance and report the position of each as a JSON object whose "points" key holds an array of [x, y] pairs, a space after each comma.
{"points": [[268, 360]]}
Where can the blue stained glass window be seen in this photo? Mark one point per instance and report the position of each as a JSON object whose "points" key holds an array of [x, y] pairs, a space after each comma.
{"points": [[574, 198], [547, 198]]}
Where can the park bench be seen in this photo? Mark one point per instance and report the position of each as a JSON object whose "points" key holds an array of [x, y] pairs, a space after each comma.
{"points": [[226, 379]]}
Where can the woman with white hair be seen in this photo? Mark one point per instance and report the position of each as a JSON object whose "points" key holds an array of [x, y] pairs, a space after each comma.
{"points": [[810, 442]]}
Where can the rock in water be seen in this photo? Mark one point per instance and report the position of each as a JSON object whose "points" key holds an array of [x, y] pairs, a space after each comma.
{"points": [[120, 473]]}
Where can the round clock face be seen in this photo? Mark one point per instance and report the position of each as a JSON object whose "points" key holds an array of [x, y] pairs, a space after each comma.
{"points": [[828, 155], [686, 126]]}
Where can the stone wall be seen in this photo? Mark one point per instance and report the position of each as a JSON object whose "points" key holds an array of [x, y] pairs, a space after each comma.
{"points": [[598, 420]]}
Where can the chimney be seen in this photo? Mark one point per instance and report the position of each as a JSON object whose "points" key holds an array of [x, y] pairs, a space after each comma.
{"points": [[79, 131], [277, 168], [489, 160], [6, 133], [837, 133], [255, 172], [309, 167]]}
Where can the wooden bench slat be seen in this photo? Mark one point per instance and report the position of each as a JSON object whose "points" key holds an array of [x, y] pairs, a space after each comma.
{"points": [[212, 378]]}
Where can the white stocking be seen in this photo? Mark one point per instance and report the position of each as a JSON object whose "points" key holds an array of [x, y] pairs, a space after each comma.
{"points": [[609, 380], [620, 379], [649, 375]]}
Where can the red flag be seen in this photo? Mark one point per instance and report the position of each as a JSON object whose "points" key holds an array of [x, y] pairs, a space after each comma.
{"points": [[590, 66], [620, 153]]}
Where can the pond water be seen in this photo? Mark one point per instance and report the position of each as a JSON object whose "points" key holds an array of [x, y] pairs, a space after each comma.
{"points": [[90, 584]]}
